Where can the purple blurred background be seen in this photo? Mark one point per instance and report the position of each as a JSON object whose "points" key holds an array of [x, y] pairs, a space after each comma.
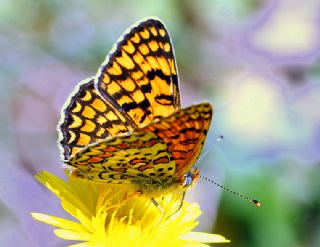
{"points": [[256, 61]]}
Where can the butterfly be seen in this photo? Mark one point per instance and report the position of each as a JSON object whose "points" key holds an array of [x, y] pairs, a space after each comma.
{"points": [[125, 125]]}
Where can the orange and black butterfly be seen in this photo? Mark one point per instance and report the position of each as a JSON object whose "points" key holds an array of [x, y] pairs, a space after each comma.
{"points": [[125, 125]]}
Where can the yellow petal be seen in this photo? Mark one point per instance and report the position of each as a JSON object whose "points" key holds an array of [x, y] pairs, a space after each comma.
{"points": [[85, 244], [64, 191], [59, 222], [204, 237], [195, 244], [72, 235], [84, 220]]}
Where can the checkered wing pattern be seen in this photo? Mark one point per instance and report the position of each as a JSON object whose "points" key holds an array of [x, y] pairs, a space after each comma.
{"points": [[156, 155], [136, 84]]}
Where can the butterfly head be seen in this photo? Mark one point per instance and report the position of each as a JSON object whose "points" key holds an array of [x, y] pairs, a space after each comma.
{"points": [[190, 178]]}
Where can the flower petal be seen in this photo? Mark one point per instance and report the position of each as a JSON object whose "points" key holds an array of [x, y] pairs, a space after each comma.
{"points": [[195, 244], [72, 235], [59, 222], [84, 244], [64, 191], [204, 237]]}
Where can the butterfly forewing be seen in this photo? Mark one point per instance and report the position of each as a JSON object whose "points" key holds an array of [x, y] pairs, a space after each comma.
{"points": [[88, 118], [139, 76], [137, 83]]}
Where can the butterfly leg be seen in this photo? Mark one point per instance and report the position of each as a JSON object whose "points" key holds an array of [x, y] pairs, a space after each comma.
{"points": [[180, 205], [161, 211], [158, 206]]}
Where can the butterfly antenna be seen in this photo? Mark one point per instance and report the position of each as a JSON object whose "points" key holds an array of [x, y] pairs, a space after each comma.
{"points": [[207, 149], [254, 201], [203, 155]]}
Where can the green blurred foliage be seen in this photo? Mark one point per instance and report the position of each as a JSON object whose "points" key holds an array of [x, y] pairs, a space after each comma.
{"points": [[290, 211]]}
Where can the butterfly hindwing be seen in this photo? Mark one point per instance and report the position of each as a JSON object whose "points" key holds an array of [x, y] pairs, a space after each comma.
{"points": [[139, 76], [184, 133], [128, 158]]}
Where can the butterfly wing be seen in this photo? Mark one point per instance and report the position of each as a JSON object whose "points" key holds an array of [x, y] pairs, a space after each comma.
{"points": [[131, 158], [87, 118], [139, 76], [184, 133], [152, 157], [137, 83]]}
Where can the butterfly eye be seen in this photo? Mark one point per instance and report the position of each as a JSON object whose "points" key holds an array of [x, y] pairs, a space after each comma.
{"points": [[187, 180]]}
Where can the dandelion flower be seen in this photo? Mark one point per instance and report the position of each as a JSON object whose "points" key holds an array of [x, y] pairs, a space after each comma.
{"points": [[114, 215]]}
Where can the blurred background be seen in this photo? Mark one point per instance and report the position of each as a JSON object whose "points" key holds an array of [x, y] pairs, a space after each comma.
{"points": [[257, 61]]}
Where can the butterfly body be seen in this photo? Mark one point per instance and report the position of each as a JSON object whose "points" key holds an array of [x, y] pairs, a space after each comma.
{"points": [[125, 125]]}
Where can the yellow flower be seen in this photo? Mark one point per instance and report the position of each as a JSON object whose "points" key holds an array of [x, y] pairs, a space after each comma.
{"points": [[114, 215]]}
